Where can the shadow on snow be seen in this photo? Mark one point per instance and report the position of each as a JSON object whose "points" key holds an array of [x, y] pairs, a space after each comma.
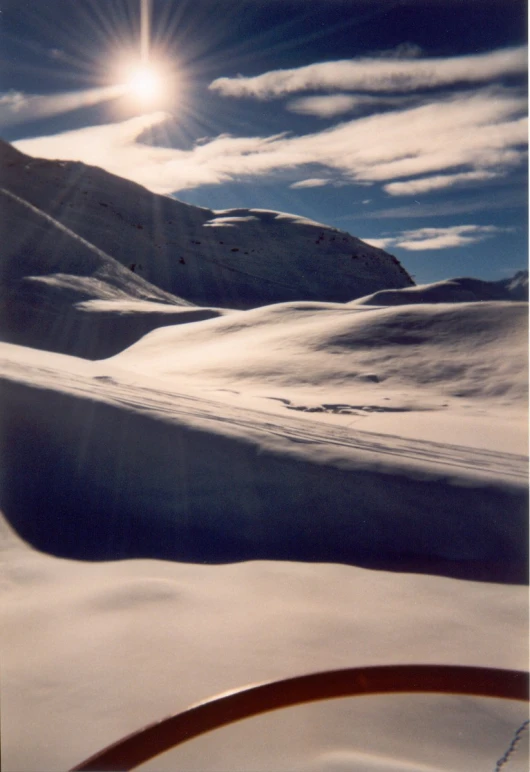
{"points": [[85, 479]]}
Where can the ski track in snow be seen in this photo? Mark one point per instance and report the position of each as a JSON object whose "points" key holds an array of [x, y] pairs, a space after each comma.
{"points": [[175, 406]]}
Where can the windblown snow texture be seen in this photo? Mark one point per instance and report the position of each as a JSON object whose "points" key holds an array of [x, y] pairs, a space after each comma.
{"points": [[98, 466], [420, 347], [95, 469]]}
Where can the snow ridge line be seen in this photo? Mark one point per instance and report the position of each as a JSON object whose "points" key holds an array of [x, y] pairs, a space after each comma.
{"points": [[336, 443], [161, 295]]}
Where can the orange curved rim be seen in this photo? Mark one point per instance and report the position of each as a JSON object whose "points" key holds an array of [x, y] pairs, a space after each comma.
{"points": [[135, 749]]}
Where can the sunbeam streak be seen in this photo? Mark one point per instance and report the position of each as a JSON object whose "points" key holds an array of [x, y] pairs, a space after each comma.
{"points": [[145, 32]]}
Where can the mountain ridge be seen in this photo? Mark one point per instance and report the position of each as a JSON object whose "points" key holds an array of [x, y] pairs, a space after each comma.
{"points": [[53, 282], [235, 258], [91, 262], [459, 290]]}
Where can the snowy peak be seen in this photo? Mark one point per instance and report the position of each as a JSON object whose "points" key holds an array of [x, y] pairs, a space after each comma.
{"points": [[238, 258]]}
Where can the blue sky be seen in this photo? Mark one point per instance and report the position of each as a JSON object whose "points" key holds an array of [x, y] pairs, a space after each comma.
{"points": [[400, 121]]}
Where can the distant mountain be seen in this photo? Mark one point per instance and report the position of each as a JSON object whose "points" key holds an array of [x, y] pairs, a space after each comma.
{"points": [[464, 290], [239, 258]]}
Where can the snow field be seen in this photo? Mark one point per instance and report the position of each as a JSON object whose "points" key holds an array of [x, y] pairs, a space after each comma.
{"points": [[337, 478]]}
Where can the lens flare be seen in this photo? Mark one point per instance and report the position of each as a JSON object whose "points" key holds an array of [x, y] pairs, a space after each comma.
{"points": [[145, 84]]}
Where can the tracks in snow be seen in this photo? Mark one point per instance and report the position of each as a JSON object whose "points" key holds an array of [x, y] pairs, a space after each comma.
{"points": [[332, 443]]}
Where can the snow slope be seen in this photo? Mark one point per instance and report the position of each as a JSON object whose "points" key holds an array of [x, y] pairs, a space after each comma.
{"points": [[455, 374], [99, 467], [100, 463], [92, 652], [59, 292], [445, 350], [235, 258], [463, 290]]}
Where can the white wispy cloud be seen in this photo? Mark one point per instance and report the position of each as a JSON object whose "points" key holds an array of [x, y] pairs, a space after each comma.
{"points": [[115, 147], [17, 107], [480, 132], [311, 182], [438, 238], [377, 74], [330, 105], [382, 243], [438, 182], [326, 106]]}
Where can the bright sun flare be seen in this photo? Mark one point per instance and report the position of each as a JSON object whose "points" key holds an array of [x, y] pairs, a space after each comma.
{"points": [[145, 84]]}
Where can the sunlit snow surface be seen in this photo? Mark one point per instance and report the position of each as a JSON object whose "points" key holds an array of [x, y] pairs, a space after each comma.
{"points": [[243, 439], [238, 496]]}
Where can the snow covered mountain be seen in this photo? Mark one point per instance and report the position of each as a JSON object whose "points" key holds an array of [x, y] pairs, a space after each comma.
{"points": [[236, 258], [60, 292]]}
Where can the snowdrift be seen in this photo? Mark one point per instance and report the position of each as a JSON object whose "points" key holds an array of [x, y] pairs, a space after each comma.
{"points": [[93, 651], [477, 350], [97, 469], [237, 258]]}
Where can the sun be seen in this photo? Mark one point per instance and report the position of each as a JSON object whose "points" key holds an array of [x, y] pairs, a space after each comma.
{"points": [[145, 84]]}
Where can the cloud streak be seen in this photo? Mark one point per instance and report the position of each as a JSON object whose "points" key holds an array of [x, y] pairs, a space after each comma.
{"points": [[439, 182], [327, 106], [311, 182], [16, 107], [478, 133], [377, 74], [423, 239], [330, 105]]}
